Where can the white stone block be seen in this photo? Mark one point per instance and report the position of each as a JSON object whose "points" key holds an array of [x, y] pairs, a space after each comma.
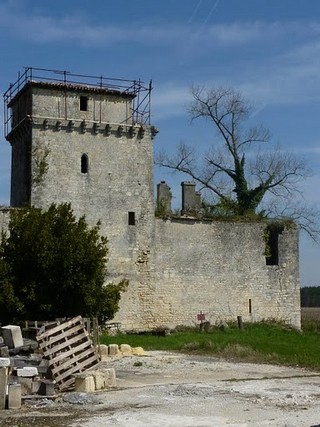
{"points": [[103, 350], [14, 396], [27, 371], [138, 351], [113, 350], [125, 349], [4, 362], [103, 378], [99, 379], [12, 336], [84, 383], [110, 377], [3, 387]]}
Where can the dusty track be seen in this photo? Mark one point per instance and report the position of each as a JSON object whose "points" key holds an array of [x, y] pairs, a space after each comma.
{"points": [[166, 389]]}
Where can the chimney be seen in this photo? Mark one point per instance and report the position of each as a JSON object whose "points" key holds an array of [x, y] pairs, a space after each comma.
{"points": [[191, 200]]}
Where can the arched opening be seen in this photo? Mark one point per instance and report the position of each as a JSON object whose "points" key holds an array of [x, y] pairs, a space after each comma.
{"points": [[84, 163]]}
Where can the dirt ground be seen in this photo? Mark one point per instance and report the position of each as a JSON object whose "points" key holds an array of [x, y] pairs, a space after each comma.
{"points": [[174, 390]]}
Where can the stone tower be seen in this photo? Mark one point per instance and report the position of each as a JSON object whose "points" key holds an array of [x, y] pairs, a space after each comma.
{"points": [[87, 141]]}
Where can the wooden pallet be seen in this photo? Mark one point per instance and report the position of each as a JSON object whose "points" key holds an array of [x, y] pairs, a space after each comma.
{"points": [[69, 350]]}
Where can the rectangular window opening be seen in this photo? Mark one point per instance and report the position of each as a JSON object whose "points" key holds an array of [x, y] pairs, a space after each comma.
{"points": [[83, 103], [272, 244], [250, 306], [132, 218]]}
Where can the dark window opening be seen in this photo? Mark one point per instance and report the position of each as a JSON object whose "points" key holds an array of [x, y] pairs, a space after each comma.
{"points": [[250, 306], [132, 218], [83, 103], [272, 244], [84, 163]]}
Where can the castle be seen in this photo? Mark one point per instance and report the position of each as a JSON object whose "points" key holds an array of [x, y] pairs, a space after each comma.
{"points": [[89, 141]]}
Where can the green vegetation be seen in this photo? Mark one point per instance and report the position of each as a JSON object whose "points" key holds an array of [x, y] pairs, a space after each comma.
{"points": [[54, 265], [256, 343]]}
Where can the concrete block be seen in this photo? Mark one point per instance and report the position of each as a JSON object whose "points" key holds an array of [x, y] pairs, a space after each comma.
{"points": [[84, 383], [110, 377], [47, 388], [4, 351], [99, 379], [27, 371], [138, 351], [125, 349], [103, 350], [36, 387], [114, 350], [12, 336], [3, 387], [4, 362], [103, 378], [14, 396], [26, 385]]}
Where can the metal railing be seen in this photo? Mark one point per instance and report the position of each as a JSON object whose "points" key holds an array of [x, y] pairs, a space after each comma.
{"points": [[141, 92]]}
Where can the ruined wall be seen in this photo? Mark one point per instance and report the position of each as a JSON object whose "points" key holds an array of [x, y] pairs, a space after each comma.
{"points": [[218, 268]]}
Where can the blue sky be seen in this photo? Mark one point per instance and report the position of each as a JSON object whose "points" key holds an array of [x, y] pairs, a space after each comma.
{"points": [[268, 49]]}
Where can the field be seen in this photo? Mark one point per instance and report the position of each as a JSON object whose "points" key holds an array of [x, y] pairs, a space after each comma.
{"points": [[255, 343], [310, 313]]}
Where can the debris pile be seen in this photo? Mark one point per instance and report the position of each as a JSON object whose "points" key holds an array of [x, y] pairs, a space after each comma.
{"points": [[63, 357]]}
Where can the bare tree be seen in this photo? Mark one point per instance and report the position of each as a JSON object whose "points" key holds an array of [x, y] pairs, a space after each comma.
{"points": [[235, 171]]}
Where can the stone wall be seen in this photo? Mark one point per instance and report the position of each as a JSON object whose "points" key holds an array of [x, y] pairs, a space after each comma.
{"points": [[176, 267], [218, 268]]}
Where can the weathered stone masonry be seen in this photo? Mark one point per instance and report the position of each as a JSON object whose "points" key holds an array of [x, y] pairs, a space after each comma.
{"points": [[81, 144]]}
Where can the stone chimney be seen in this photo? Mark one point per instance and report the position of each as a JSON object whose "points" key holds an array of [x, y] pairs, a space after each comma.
{"points": [[191, 200]]}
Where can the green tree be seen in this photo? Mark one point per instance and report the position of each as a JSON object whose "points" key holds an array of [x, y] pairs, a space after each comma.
{"points": [[235, 176], [54, 265]]}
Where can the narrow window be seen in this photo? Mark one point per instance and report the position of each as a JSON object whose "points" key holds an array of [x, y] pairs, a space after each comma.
{"points": [[250, 306], [83, 103], [84, 163], [132, 218], [272, 244]]}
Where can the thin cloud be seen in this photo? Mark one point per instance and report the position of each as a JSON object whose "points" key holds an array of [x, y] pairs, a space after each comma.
{"points": [[77, 29], [170, 100], [194, 12]]}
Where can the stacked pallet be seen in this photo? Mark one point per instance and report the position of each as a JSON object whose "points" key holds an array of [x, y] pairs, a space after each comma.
{"points": [[69, 349]]}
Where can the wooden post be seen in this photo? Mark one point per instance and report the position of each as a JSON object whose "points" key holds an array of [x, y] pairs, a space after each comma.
{"points": [[240, 324]]}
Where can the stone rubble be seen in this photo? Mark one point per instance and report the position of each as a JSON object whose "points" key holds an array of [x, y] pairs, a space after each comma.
{"points": [[25, 375]]}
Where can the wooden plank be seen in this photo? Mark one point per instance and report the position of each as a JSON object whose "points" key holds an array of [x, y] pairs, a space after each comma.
{"points": [[60, 327], [72, 361], [72, 352], [92, 361], [50, 340], [69, 342], [69, 349], [62, 339], [61, 371]]}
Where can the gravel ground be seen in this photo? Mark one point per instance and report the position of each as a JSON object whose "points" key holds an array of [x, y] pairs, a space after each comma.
{"points": [[169, 389]]}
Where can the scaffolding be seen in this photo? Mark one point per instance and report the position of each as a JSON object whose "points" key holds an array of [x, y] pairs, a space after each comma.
{"points": [[137, 89]]}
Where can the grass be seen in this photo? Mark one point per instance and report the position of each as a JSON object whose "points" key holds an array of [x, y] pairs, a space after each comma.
{"points": [[256, 343]]}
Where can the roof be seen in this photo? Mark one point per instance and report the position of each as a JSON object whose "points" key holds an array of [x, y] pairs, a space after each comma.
{"points": [[72, 87]]}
